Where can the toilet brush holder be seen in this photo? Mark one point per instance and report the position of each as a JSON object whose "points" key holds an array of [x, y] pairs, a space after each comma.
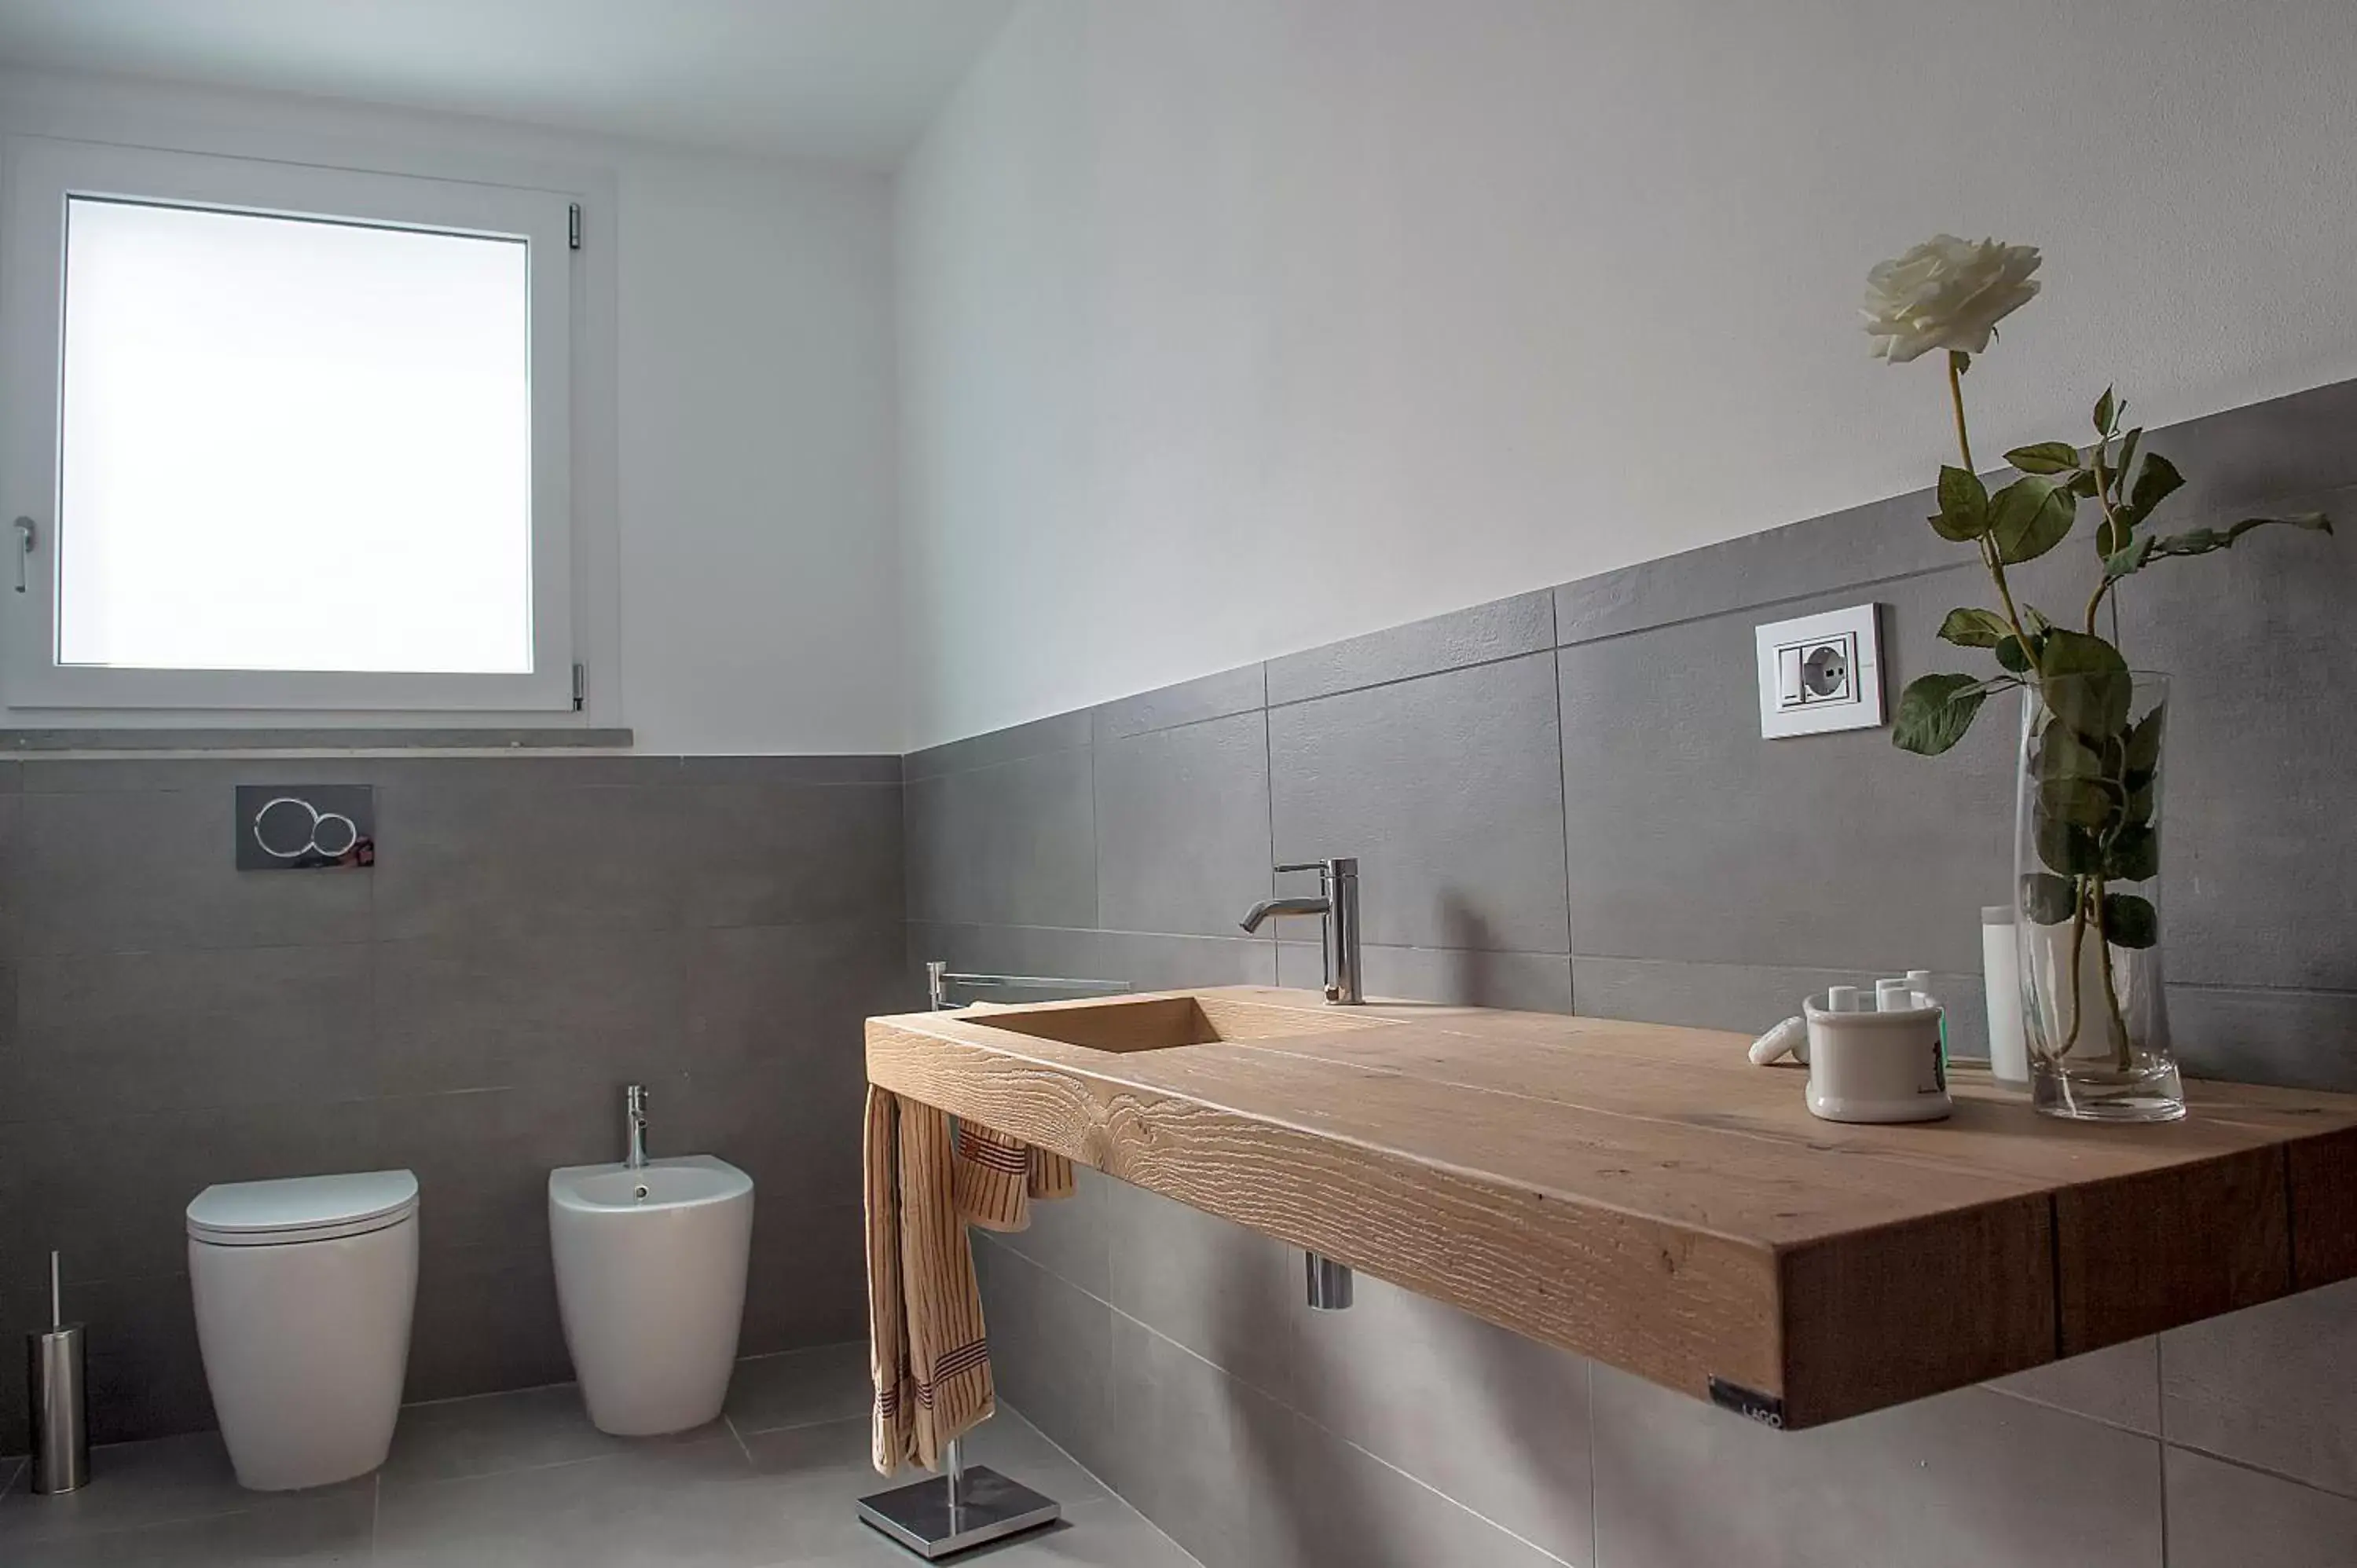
{"points": [[56, 1396]]}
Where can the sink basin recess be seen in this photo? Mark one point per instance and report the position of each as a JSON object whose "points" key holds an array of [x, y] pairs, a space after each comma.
{"points": [[1163, 1023]]}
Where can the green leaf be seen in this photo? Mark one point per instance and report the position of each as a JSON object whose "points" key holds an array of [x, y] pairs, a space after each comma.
{"points": [[2143, 742], [2147, 548], [2048, 899], [2082, 803], [2126, 465], [2155, 481], [2134, 855], [1934, 711], [2012, 654], [2030, 517], [2061, 755], [1975, 628], [2106, 413], [2085, 684], [2068, 851], [1963, 505], [2085, 485], [2140, 797], [2045, 458], [2130, 921], [2129, 560]]}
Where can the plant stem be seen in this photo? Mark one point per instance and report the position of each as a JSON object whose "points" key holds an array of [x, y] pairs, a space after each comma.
{"points": [[2113, 534], [2077, 946], [1997, 572], [2120, 1053], [1956, 362]]}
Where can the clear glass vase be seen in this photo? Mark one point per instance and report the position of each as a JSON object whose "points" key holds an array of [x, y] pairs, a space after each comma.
{"points": [[2087, 892]]}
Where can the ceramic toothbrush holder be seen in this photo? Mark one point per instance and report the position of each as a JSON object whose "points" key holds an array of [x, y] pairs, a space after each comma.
{"points": [[1876, 1067]]}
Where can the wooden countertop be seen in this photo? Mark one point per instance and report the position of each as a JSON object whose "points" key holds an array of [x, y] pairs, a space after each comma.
{"points": [[1643, 1195]]}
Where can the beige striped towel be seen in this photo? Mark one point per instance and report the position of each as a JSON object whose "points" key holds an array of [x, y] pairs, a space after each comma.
{"points": [[927, 1349]]}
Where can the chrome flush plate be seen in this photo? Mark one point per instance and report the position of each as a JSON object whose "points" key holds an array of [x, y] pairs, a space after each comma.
{"points": [[305, 827]]}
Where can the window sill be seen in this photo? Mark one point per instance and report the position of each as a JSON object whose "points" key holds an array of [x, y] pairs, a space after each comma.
{"points": [[42, 741]]}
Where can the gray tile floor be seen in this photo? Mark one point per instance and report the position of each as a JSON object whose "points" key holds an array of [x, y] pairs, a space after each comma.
{"points": [[522, 1480]]}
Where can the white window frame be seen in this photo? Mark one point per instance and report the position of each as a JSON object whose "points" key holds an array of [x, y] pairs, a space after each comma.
{"points": [[42, 174]]}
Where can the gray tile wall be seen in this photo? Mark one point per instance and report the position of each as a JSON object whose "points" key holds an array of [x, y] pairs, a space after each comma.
{"points": [[1562, 799], [538, 931]]}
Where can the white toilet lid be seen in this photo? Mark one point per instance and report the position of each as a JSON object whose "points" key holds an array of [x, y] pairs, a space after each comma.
{"points": [[301, 1208]]}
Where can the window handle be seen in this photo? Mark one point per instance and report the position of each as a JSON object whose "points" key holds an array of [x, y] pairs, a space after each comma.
{"points": [[23, 548]]}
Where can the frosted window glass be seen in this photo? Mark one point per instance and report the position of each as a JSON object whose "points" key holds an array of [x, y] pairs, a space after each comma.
{"points": [[293, 444]]}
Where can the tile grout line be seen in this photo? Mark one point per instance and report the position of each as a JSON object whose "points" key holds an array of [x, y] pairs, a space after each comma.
{"points": [[1753, 609], [1096, 836], [1287, 1404], [1268, 799], [1004, 761], [1300, 942], [1173, 728], [1563, 805], [2103, 1420], [1419, 675], [1316, 1426], [1105, 1486], [2253, 1468], [1576, 955], [1594, 1530], [2160, 1442], [1557, 642]]}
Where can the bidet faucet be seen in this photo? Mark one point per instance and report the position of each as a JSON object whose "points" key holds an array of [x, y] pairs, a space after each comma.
{"points": [[634, 1126], [1337, 909]]}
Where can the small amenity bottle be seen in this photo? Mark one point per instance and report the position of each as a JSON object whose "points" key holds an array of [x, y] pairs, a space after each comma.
{"points": [[2001, 980]]}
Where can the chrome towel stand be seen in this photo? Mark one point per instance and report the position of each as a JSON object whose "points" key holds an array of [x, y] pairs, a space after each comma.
{"points": [[965, 1505]]}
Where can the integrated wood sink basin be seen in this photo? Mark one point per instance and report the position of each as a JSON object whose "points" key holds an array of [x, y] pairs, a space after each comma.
{"points": [[1160, 1023], [1644, 1196]]}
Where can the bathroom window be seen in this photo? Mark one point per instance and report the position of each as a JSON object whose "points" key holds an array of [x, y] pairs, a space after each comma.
{"points": [[284, 437]]}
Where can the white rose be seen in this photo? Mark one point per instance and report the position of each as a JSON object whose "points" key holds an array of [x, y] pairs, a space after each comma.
{"points": [[1946, 293]]}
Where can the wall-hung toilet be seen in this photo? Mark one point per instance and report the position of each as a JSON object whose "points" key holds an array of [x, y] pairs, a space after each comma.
{"points": [[304, 1289]]}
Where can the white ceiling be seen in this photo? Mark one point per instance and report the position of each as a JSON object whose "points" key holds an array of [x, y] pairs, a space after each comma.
{"points": [[855, 80]]}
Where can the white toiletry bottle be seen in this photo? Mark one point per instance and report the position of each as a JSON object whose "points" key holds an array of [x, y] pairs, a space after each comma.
{"points": [[2001, 980]]}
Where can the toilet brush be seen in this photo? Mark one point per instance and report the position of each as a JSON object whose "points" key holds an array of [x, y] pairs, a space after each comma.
{"points": [[55, 1396]]}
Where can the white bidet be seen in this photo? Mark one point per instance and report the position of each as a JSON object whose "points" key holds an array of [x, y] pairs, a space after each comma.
{"points": [[650, 1285]]}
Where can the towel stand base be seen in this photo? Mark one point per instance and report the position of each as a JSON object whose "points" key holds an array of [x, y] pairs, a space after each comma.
{"points": [[969, 1505], [953, 1512]]}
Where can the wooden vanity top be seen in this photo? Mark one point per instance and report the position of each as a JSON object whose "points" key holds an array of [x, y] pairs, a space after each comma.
{"points": [[1643, 1195]]}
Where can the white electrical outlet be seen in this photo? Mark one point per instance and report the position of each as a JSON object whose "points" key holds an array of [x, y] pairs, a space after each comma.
{"points": [[1820, 673]]}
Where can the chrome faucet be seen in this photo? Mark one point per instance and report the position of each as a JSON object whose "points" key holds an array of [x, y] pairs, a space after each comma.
{"points": [[1338, 907], [634, 1126]]}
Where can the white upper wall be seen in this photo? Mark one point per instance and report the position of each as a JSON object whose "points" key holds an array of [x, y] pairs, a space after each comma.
{"points": [[760, 590], [734, 420], [844, 80], [1234, 327]]}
